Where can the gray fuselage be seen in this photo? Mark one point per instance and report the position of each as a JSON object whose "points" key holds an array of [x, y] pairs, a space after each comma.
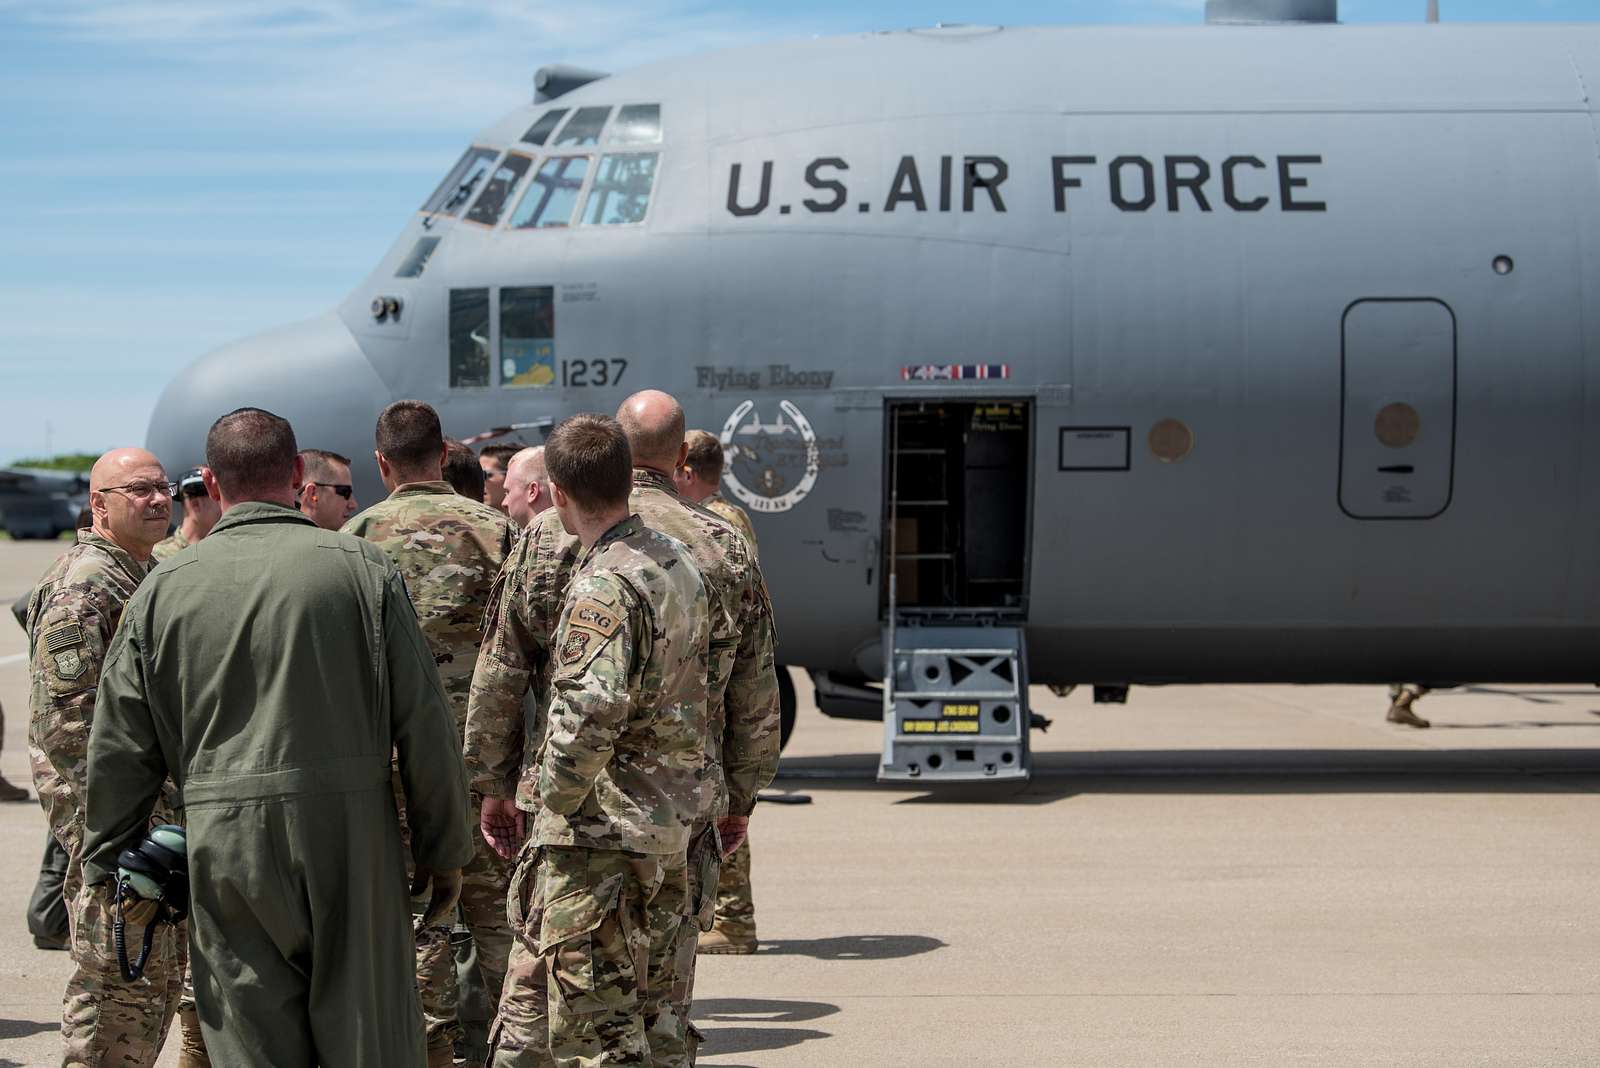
{"points": [[1268, 254]]}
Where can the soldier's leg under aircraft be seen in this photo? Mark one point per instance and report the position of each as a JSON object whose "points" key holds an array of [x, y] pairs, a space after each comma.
{"points": [[1402, 696], [703, 863], [485, 882], [735, 928]]}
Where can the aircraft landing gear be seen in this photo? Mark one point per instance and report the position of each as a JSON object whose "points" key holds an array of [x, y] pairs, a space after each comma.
{"points": [[786, 707]]}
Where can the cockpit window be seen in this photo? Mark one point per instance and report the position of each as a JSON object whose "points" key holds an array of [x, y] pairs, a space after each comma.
{"points": [[552, 195], [637, 124], [497, 191], [458, 187], [527, 337], [540, 131], [584, 127], [469, 338], [416, 260], [621, 190]]}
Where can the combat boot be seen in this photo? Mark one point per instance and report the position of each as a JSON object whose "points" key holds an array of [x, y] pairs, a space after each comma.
{"points": [[442, 1058], [1400, 711], [192, 1046], [719, 942], [11, 792]]}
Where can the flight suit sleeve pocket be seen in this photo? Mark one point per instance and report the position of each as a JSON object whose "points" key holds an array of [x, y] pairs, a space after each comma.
{"points": [[590, 962]]}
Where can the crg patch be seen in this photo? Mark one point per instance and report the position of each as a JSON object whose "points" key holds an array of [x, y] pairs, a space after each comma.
{"points": [[595, 616]]}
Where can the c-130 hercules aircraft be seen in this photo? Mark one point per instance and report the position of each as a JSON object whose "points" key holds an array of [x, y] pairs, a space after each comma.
{"points": [[1244, 352]]}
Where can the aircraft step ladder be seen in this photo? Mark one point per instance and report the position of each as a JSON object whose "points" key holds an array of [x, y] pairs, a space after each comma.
{"points": [[955, 705]]}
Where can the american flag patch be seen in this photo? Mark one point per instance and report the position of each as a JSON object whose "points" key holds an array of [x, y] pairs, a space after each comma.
{"points": [[951, 372], [63, 637]]}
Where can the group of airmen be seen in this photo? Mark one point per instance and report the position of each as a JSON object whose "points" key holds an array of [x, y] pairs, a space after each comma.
{"points": [[532, 694]]}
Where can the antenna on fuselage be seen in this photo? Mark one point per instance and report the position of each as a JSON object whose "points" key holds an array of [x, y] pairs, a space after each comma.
{"points": [[558, 79], [1433, 10]]}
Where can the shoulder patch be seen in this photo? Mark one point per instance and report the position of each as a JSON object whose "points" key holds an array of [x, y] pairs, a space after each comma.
{"points": [[62, 637], [575, 645], [594, 616]]}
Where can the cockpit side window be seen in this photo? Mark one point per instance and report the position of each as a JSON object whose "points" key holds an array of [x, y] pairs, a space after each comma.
{"points": [[552, 195], [621, 190], [497, 191], [541, 130], [637, 124], [459, 185], [584, 127], [416, 260], [469, 338], [527, 337]]}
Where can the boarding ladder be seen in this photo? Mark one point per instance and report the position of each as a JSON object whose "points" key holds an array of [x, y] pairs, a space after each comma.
{"points": [[955, 704], [955, 680]]}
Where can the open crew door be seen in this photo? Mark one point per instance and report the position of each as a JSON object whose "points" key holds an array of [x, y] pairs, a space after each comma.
{"points": [[959, 474]]}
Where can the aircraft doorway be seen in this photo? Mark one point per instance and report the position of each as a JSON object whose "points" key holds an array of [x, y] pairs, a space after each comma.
{"points": [[957, 476]]}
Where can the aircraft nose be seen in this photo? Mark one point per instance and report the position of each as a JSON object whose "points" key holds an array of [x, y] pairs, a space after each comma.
{"points": [[312, 373]]}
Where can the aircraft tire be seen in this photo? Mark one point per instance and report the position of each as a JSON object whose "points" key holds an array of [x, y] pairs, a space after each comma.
{"points": [[787, 703]]}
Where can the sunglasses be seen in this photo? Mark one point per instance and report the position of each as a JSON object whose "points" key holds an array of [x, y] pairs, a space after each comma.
{"points": [[343, 489]]}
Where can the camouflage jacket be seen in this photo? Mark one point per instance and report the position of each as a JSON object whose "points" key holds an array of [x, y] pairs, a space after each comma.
{"points": [[742, 704], [449, 549], [734, 516], [742, 697], [72, 615], [624, 756], [511, 683], [169, 546]]}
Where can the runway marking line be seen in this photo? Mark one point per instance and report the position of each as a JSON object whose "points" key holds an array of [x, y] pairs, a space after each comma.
{"points": [[13, 659]]}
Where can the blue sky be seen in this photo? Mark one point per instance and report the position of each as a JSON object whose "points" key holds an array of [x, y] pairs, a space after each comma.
{"points": [[180, 174]]}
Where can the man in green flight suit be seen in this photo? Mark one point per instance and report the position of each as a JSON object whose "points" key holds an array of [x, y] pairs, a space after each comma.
{"points": [[272, 670], [449, 550], [600, 896]]}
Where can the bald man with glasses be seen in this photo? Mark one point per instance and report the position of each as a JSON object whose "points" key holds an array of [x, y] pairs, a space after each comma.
{"points": [[72, 615]]}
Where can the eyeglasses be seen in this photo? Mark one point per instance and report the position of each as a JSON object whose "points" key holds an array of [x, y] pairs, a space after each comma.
{"points": [[144, 489], [343, 489]]}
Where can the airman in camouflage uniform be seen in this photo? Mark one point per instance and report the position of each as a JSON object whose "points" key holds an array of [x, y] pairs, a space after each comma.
{"points": [[698, 479], [72, 615], [733, 515], [449, 548], [599, 897], [742, 696]]}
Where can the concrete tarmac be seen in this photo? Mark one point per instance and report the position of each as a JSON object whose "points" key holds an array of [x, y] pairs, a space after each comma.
{"points": [[1260, 875]]}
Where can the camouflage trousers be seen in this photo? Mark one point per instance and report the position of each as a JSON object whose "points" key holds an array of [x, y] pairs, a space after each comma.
{"points": [[704, 864], [485, 882], [592, 967], [107, 1020], [736, 906]]}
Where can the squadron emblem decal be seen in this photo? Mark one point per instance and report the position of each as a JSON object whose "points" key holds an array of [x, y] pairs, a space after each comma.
{"points": [[770, 467], [575, 646]]}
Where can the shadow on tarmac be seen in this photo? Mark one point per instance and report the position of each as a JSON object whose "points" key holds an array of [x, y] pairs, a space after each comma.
{"points": [[851, 947], [752, 1015], [25, 1029], [1061, 776]]}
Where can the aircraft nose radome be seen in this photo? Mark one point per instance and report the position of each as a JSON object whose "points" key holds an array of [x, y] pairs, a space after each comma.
{"points": [[312, 373]]}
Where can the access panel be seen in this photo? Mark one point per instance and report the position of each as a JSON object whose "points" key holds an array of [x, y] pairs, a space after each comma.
{"points": [[1397, 441]]}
